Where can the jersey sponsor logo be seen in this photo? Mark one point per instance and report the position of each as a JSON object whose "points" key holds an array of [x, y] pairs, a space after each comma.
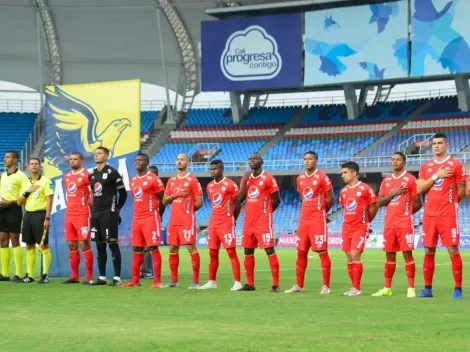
{"points": [[351, 204], [72, 188], [253, 192], [439, 182], [308, 193], [138, 192], [394, 198], [98, 187], [217, 199]]}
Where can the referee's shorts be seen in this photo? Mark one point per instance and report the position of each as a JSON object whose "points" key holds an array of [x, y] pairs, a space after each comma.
{"points": [[33, 227], [10, 219]]}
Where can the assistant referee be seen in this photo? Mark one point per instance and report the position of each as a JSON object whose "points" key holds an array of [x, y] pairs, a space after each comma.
{"points": [[37, 198]]}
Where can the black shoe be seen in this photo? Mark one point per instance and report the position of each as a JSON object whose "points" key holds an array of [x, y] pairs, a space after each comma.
{"points": [[275, 289], [16, 279], [248, 288], [4, 278], [28, 280], [115, 283], [88, 283], [71, 280], [99, 282], [44, 279]]}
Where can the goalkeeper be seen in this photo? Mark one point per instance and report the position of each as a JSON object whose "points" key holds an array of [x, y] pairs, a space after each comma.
{"points": [[36, 195]]}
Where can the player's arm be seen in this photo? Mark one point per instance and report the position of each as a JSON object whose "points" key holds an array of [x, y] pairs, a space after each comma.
{"points": [[122, 192], [467, 191], [243, 182], [373, 210], [237, 206], [197, 191], [25, 194], [275, 200], [161, 205], [424, 185], [198, 203], [417, 204], [330, 199], [47, 221]]}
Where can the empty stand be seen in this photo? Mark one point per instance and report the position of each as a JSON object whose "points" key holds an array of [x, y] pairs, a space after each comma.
{"points": [[16, 128]]}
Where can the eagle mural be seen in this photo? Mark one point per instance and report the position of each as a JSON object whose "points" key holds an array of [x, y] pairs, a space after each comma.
{"points": [[74, 128]]}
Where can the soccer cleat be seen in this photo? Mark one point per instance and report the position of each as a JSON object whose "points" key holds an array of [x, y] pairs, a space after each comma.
{"points": [[131, 284], [71, 280], [425, 293], [4, 278], [295, 289], [194, 285], [275, 289], [348, 292], [98, 282], [411, 293], [458, 294], [156, 285], [171, 284], [210, 284], [325, 290], [355, 292], [236, 286], [16, 279], [386, 291], [115, 283], [44, 279], [146, 276], [247, 288], [88, 282], [28, 280]]}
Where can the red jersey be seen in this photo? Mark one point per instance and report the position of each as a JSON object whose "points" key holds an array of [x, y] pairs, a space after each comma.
{"points": [[312, 189], [77, 187], [399, 212], [442, 198], [145, 189], [221, 196], [259, 207], [356, 202], [182, 209]]}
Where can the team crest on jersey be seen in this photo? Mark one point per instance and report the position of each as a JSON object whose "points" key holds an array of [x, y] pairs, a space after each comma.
{"points": [[351, 204], [98, 187], [253, 192], [72, 188], [138, 192], [217, 199], [36, 194], [80, 180], [105, 176], [223, 189], [308, 193], [145, 183], [315, 182], [261, 183], [9, 186]]}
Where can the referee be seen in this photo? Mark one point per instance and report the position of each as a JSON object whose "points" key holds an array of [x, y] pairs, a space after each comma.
{"points": [[36, 196], [106, 183]]}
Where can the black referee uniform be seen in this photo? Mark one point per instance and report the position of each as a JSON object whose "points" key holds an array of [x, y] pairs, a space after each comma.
{"points": [[109, 196]]}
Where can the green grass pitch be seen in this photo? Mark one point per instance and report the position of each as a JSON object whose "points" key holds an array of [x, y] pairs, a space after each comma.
{"points": [[58, 317]]}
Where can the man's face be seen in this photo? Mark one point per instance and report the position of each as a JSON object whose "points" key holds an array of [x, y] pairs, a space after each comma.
{"points": [[100, 156], [217, 171], [140, 163], [310, 162], [347, 175], [75, 162], [397, 162], [182, 162], [34, 166], [9, 160], [255, 162], [439, 146]]}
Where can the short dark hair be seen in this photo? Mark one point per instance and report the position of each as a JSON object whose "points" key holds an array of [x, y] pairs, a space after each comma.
{"points": [[37, 159], [312, 153], [80, 155], [403, 156], [14, 153], [145, 156], [217, 162], [153, 167], [440, 135], [104, 149], [351, 165]]}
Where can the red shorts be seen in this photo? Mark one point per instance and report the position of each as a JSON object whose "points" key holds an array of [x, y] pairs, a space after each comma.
{"points": [[254, 235], [222, 234], [398, 240], [447, 227], [312, 235], [179, 235], [77, 228], [354, 238], [146, 232]]}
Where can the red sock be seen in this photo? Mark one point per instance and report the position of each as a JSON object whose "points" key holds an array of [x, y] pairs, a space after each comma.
{"points": [[274, 264], [213, 264], [174, 259], [137, 260], [232, 253], [325, 268], [389, 271], [157, 265], [428, 269], [358, 269], [196, 264], [301, 267], [350, 273], [88, 258], [410, 268], [74, 258], [250, 269], [457, 269]]}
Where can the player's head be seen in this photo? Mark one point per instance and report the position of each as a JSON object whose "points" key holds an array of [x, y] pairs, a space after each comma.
{"points": [[310, 160], [398, 161], [182, 162], [255, 161], [439, 144], [153, 169], [11, 158], [349, 172], [76, 160], [101, 155], [217, 169], [141, 162], [34, 165]]}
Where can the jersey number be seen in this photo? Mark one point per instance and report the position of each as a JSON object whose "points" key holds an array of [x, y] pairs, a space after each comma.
{"points": [[267, 237], [84, 230], [410, 239], [228, 238], [361, 241], [187, 234], [319, 240], [154, 236]]}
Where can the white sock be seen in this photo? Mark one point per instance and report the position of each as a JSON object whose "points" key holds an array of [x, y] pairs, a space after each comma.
{"points": [[102, 278], [117, 278]]}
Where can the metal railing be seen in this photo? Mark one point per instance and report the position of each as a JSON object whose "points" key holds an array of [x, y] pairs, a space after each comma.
{"points": [[416, 138], [20, 105]]}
